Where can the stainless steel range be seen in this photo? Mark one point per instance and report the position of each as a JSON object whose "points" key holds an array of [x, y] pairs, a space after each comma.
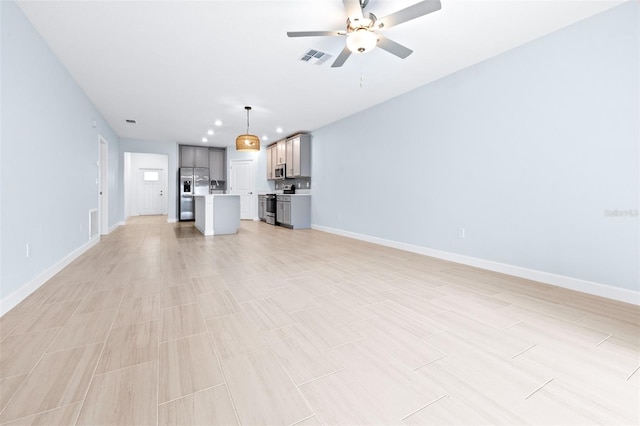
{"points": [[271, 209]]}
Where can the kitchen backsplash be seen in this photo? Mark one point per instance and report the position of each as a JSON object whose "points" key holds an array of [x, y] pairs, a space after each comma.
{"points": [[301, 183]]}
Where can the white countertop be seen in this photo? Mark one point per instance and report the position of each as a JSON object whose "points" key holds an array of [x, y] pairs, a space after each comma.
{"points": [[217, 195], [279, 192]]}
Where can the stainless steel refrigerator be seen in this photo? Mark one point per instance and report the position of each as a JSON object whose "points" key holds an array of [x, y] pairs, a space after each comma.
{"points": [[193, 181]]}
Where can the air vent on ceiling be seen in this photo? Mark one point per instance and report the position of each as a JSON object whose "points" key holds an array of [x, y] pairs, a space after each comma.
{"points": [[314, 56], [130, 121]]}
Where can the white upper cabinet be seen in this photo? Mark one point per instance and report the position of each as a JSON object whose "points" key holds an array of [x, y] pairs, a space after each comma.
{"points": [[289, 167], [299, 156], [294, 152], [272, 157], [282, 151]]}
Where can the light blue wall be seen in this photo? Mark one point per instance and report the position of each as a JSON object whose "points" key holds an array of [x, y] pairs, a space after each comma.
{"points": [[49, 156], [152, 147], [525, 150]]}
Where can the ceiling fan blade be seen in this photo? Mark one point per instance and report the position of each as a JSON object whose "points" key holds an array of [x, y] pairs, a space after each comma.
{"points": [[342, 57], [394, 48], [353, 8], [314, 33], [419, 9]]}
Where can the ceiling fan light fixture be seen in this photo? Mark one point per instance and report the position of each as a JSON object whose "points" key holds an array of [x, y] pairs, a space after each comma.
{"points": [[247, 142], [361, 41]]}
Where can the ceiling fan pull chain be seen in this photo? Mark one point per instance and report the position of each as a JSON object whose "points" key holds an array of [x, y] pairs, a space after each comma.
{"points": [[361, 71]]}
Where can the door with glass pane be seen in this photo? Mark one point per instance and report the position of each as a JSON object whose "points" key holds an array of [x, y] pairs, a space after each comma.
{"points": [[151, 193]]}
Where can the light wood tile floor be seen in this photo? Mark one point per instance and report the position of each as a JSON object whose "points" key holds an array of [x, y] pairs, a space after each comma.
{"points": [[158, 325]]}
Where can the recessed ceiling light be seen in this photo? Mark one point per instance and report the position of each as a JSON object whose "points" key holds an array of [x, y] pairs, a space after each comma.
{"points": [[204, 139], [210, 132], [279, 130], [218, 123], [265, 138]]}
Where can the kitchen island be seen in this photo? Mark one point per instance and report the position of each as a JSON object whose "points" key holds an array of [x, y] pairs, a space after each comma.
{"points": [[217, 214]]}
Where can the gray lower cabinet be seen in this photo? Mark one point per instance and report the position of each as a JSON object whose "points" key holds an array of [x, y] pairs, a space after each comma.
{"points": [[293, 211], [262, 207], [283, 211], [280, 212]]}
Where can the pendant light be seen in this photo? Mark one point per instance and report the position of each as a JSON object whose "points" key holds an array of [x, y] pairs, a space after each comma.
{"points": [[247, 142]]}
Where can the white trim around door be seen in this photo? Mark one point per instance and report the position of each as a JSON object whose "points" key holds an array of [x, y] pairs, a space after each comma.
{"points": [[103, 185]]}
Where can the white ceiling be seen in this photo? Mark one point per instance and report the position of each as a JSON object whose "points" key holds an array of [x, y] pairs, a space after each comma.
{"points": [[177, 66]]}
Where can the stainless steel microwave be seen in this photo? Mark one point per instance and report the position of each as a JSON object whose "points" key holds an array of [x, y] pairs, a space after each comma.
{"points": [[280, 172]]}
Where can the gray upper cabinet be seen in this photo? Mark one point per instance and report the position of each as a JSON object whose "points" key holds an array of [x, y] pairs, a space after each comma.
{"points": [[187, 156], [194, 156], [202, 157], [217, 164]]}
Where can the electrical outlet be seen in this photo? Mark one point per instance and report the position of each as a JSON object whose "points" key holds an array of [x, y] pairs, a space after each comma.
{"points": [[307, 184], [28, 252], [461, 233]]}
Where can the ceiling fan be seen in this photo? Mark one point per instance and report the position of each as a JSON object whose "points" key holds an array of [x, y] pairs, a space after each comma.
{"points": [[361, 29]]}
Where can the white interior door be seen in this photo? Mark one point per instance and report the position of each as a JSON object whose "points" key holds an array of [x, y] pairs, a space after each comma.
{"points": [[151, 194], [242, 183]]}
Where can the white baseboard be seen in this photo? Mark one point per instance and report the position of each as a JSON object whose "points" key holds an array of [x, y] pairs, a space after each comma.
{"points": [[10, 301], [114, 227], [171, 220], [583, 286]]}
